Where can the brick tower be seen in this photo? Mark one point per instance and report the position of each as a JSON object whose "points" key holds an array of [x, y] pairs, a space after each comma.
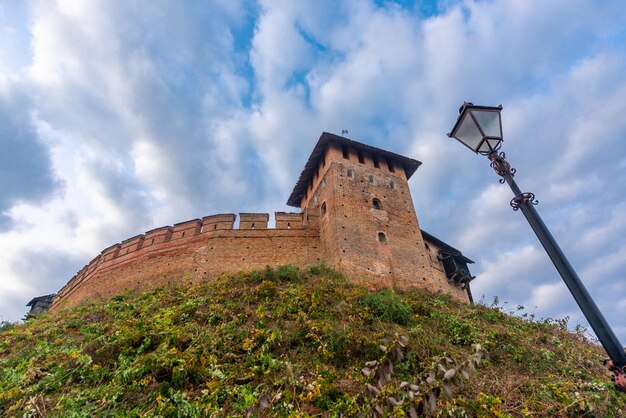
{"points": [[359, 197]]}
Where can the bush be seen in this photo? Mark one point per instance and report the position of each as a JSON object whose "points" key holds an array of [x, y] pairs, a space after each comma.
{"points": [[388, 306], [6, 325], [288, 273], [322, 270]]}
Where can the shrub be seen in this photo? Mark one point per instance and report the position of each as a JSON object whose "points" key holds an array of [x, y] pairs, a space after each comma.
{"points": [[288, 273], [6, 325], [388, 306], [322, 270]]}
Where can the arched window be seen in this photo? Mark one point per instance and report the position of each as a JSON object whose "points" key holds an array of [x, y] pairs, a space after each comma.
{"points": [[372, 180], [382, 238], [324, 208], [376, 204], [392, 184], [351, 173]]}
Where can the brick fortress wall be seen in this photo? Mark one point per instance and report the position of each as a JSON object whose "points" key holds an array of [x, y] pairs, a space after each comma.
{"points": [[191, 252]]}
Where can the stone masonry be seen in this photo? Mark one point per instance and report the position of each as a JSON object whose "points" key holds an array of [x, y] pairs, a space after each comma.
{"points": [[357, 215]]}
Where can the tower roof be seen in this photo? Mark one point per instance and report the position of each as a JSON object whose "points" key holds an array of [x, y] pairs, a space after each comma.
{"points": [[447, 247], [408, 164]]}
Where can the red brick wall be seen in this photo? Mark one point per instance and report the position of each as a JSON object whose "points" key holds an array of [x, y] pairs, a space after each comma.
{"points": [[167, 255]]}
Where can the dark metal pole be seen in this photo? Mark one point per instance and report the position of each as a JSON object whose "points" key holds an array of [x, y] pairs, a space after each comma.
{"points": [[526, 202]]}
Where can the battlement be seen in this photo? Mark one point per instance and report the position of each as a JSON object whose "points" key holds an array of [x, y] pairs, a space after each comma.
{"points": [[220, 221], [288, 220], [253, 220]]}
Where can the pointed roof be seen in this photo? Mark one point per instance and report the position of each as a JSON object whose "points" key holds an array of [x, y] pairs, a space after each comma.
{"points": [[408, 164]]}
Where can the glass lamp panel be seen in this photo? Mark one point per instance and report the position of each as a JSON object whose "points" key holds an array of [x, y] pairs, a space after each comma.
{"points": [[468, 133], [493, 143], [489, 122], [484, 147]]}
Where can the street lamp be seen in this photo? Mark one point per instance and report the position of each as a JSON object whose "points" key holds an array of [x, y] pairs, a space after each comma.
{"points": [[480, 129]]}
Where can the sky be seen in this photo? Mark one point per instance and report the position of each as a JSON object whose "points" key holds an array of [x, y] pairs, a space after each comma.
{"points": [[118, 117]]}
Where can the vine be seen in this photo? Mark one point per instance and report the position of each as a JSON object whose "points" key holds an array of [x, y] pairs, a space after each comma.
{"points": [[418, 398]]}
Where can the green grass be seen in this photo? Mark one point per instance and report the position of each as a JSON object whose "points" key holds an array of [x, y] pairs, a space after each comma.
{"points": [[286, 342]]}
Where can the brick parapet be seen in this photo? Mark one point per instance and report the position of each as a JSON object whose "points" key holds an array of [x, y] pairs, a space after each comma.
{"points": [[219, 221], [253, 220], [187, 228], [288, 220]]}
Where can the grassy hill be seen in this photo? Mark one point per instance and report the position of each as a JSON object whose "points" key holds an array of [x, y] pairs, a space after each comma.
{"points": [[289, 343]]}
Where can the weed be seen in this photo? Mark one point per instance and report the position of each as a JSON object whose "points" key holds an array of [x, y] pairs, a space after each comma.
{"points": [[388, 306]]}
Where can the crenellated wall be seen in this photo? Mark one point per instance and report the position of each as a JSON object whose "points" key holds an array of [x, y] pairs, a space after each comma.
{"points": [[196, 250]]}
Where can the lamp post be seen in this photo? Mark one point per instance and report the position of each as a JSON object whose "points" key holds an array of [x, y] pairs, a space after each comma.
{"points": [[480, 129]]}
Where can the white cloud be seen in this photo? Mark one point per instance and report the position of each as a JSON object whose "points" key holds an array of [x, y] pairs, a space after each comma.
{"points": [[149, 113], [547, 297]]}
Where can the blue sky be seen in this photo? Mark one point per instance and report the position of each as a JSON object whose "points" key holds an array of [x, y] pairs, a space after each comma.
{"points": [[118, 117]]}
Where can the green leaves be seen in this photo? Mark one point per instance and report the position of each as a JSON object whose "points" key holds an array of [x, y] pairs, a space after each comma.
{"points": [[388, 306]]}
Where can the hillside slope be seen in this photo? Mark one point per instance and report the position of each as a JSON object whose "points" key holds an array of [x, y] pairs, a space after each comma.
{"points": [[289, 343]]}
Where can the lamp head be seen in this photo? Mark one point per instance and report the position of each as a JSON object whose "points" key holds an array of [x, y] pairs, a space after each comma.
{"points": [[479, 128]]}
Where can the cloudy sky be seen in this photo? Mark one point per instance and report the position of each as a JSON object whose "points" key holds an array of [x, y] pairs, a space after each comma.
{"points": [[117, 117]]}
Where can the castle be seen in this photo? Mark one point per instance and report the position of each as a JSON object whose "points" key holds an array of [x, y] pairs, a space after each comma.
{"points": [[356, 215]]}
